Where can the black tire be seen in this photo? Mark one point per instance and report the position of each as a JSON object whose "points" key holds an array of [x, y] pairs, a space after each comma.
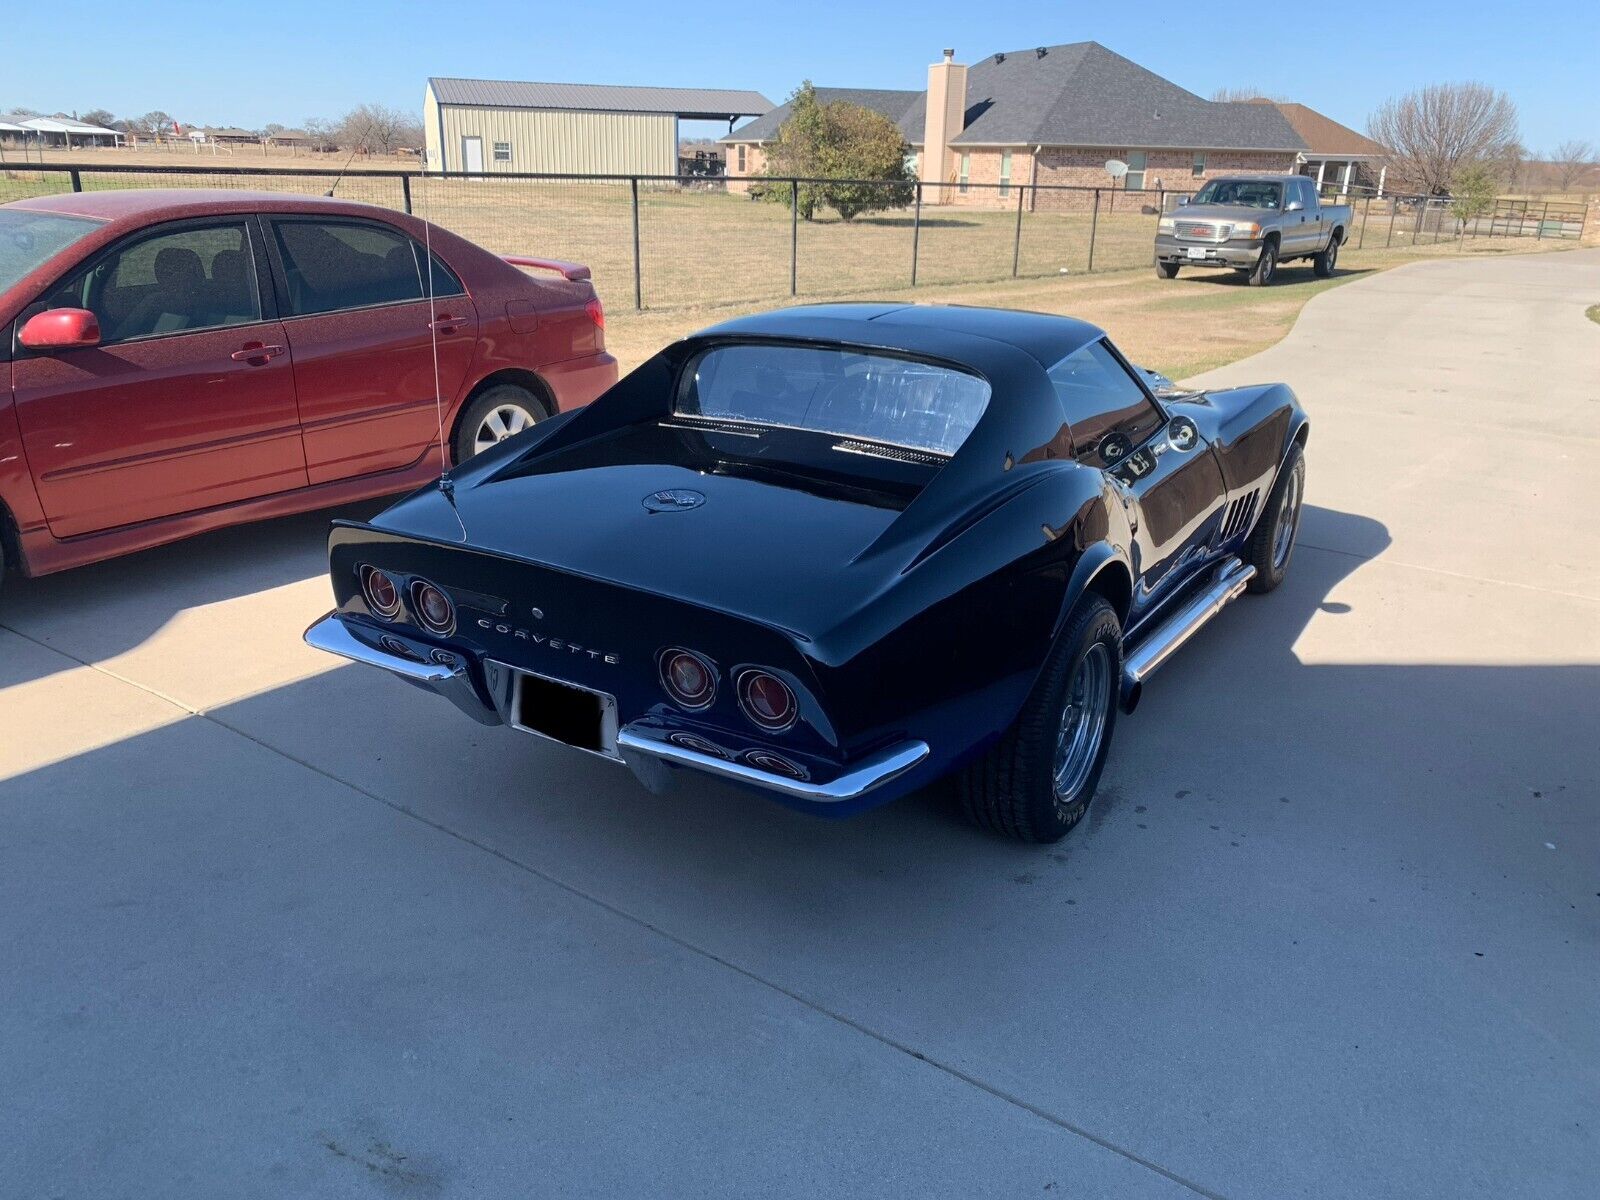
{"points": [[1325, 262], [1166, 270], [1266, 268], [499, 397], [1264, 551], [1012, 788]]}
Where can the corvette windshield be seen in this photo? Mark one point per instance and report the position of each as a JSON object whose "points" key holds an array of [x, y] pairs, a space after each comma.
{"points": [[1250, 193], [839, 392], [28, 239]]}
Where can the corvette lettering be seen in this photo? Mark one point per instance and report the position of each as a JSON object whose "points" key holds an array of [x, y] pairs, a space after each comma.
{"points": [[543, 639]]}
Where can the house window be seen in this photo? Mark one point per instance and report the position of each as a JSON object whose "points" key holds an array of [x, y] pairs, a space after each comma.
{"points": [[911, 163], [502, 152], [966, 170], [1199, 163], [741, 160], [1134, 179], [1005, 173]]}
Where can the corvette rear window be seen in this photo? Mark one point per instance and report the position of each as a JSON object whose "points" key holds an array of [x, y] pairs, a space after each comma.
{"points": [[837, 391]]}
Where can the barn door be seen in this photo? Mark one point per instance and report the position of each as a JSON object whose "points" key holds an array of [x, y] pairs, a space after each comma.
{"points": [[472, 155]]}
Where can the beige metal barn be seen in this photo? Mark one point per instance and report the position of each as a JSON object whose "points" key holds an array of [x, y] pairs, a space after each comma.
{"points": [[492, 126]]}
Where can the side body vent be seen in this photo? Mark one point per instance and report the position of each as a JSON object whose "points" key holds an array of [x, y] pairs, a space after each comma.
{"points": [[1240, 515]]}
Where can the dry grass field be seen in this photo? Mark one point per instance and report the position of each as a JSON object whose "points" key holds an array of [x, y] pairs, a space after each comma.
{"points": [[1181, 327], [706, 255]]}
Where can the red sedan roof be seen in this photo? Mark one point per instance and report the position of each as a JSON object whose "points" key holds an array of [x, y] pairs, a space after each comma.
{"points": [[129, 204]]}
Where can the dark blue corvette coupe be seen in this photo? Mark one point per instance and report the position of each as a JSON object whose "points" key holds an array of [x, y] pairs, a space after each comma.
{"points": [[836, 553]]}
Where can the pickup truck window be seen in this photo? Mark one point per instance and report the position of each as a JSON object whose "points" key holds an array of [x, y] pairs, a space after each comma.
{"points": [[1250, 193], [1099, 397]]}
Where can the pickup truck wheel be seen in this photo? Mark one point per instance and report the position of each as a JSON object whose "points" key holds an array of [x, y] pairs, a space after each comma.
{"points": [[1166, 270], [1266, 266], [1324, 263], [1035, 784], [494, 415], [1271, 543]]}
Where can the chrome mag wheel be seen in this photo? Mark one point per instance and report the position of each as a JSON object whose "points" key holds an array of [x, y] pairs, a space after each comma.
{"points": [[1083, 723], [499, 423], [1288, 519]]}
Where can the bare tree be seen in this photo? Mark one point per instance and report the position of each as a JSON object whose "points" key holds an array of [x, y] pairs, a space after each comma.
{"points": [[1233, 95], [324, 134], [379, 127], [1433, 132], [1572, 161], [154, 124], [98, 116]]}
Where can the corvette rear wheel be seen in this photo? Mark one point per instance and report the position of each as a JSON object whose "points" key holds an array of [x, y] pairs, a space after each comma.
{"points": [[497, 413], [1036, 783], [1271, 543]]}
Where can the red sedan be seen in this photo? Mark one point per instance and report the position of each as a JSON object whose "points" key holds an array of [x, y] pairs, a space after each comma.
{"points": [[175, 361]]}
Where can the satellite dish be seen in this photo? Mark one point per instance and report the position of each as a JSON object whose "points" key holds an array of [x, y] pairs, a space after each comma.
{"points": [[1116, 168]]}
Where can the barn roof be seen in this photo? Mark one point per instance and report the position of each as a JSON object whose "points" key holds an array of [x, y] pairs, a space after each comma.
{"points": [[690, 103]]}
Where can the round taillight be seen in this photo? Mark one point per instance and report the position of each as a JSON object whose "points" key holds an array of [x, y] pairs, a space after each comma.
{"points": [[381, 593], [767, 700], [689, 679], [434, 611]]}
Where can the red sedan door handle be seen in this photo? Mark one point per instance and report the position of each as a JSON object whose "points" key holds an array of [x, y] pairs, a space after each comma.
{"points": [[256, 354], [445, 323]]}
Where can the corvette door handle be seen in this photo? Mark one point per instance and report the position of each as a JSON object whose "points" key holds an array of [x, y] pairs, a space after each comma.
{"points": [[256, 354]]}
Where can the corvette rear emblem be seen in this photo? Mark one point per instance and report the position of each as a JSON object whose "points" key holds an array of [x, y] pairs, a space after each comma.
{"points": [[674, 500]]}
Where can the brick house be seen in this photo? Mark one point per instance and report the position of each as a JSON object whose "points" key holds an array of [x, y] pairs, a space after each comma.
{"points": [[1053, 115]]}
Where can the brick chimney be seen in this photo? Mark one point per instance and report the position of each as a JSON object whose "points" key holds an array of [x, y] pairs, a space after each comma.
{"points": [[946, 117]]}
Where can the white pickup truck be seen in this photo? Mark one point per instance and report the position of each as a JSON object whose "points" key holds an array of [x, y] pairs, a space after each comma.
{"points": [[1252, 223]]}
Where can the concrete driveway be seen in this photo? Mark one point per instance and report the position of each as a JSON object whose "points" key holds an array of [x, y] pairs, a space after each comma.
{"points": [[274, 928]]}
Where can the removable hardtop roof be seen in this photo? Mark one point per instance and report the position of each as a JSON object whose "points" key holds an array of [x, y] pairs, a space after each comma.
{"points": [[954, 333]]}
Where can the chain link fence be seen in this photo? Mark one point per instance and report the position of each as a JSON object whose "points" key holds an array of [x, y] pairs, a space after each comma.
{"points": [[686, 241]]}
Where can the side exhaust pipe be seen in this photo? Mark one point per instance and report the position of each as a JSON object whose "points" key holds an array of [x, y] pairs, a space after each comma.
{"points": [[1163, 641]]}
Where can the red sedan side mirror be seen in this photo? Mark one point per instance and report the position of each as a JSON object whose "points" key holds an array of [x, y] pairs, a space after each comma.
{"points": [[61, 329]]}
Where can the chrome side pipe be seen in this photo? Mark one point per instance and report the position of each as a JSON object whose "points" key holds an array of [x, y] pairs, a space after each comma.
{"points": [[1163, 641]]}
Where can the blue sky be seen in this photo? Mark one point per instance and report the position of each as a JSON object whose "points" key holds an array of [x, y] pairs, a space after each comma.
{"points": [[289, 60]]}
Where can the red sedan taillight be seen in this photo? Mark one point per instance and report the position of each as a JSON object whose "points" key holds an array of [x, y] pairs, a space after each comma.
{"points": [[767, 700], [690, 680], [381, 593], [597, 312]]}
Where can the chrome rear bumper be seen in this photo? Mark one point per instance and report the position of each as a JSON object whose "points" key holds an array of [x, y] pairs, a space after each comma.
{"points": [[641, 752], [359, 644]]}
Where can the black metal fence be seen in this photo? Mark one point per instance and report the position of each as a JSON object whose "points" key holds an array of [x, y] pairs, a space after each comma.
{"points": [[688, 241]]}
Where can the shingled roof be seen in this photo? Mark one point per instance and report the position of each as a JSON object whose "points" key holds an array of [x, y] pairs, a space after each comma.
{"points": [[901, 107], [1074, 95], [1324, 137], [708, 103]]}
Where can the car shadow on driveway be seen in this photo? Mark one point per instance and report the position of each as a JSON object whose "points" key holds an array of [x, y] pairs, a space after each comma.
{"points": [[1321, 901], [99, 611]]}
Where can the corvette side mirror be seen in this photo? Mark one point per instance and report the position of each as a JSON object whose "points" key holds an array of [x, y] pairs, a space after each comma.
{"points": [[61, 329]]}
